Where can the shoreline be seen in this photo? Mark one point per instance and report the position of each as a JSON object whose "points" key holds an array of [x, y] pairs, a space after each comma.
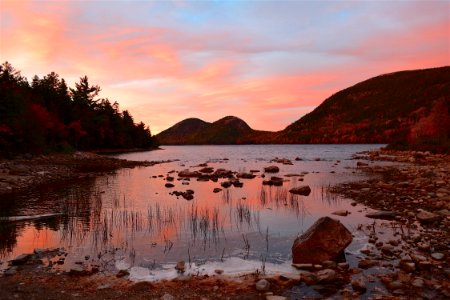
{"points": [[415, 267]]}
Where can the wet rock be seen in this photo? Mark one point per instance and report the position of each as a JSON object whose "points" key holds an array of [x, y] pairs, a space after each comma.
{"points": [[207, 170], [298, 159], [180, 266], [245, 175], [361, 164], [218, 271], [19, 170], [169, 185], [325, 240], [384, 215], [272, 169], [237, 183], [283, 161], [407, 266], [21, 259], [342, 213], [169, 178], [359, 285], [343, 265], [304, 190], [262, 285], [226, 184], [326, 276], [437, 256], [426, 217], [217, 190], [394, 285], [276, 181], [329, 264], [187, 173]]}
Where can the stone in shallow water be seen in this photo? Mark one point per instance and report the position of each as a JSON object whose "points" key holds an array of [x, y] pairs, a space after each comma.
{"points": [[427, 217], [325, 240], [437, 256], [382, 214], [21, 259], [303, 190], [326, 276]]}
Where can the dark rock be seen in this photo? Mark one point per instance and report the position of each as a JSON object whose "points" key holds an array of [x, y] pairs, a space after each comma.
{"points": [[426, 217], [272, 169], [226, 184], [359, 285], [21, 259], [325, 240], [207, 170], [245, 175], [122, 273], [342, 213], [367, 263], [384, 215], [169, 178], [187, 173], [326, 276], [11, 271], [169, 185], [304, 190], [217, 190], [181, 266]]}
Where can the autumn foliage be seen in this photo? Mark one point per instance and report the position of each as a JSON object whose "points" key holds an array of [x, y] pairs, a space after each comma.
{"points": [[46, 115]]}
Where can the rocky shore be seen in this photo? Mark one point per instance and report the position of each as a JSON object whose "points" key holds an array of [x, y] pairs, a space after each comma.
{"points": [[22, 173], [407, 255]]}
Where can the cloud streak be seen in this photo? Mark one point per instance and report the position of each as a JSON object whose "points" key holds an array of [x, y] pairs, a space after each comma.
{"points": [[266, 62]]}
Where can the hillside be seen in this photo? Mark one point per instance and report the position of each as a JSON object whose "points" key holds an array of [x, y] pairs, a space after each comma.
{"points": [[382, 109], [228, 130], [402, 107]]}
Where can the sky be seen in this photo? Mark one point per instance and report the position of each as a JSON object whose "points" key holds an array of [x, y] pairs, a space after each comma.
{"points": [[267, 62]]}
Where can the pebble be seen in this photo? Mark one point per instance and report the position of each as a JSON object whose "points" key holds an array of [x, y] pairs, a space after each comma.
{"points": [[326, 275], [359, 285], [167, 296], [262, 285], [437, 256]]}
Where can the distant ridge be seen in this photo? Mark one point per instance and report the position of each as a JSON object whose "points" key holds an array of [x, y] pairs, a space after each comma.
{"points": [[192, 131], [384, 109]]}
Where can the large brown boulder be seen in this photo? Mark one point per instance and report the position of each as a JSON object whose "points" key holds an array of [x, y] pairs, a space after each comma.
{"points": [[324, 240]]}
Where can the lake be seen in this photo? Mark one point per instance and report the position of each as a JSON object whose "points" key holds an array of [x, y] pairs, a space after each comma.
{"points": [[130, 220]]}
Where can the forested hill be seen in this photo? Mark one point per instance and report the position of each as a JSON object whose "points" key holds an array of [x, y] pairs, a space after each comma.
{"points": [[45, 115], [408, 106], [192, 131]]}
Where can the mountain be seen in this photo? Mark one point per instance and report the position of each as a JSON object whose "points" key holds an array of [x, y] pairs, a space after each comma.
{"points": [[382, 109], [407, 107], [228, 130]]}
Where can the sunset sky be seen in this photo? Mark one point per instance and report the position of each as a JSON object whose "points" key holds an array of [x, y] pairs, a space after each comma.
{"points": [[267, 62]]}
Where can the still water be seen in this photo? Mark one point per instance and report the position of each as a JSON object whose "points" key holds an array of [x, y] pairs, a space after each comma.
{"points": [[130, 220]]}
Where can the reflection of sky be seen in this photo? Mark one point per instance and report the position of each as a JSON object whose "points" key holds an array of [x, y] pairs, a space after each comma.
{"points": [[294, 52]]}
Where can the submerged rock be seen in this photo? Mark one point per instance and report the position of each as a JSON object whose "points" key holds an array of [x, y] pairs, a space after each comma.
{"points": [[325, 240], [262, 285], [427, 217], [21, 259]]}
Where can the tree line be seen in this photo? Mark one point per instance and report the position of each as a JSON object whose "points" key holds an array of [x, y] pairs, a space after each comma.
{"points": [[45, 115]]}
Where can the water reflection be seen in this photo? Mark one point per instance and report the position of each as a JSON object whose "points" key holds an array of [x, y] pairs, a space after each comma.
{"points": [[131, 216]]}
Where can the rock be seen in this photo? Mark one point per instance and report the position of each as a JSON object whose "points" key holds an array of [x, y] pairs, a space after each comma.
{"points": [[426, 217], [437, 256], [245, 175], [343, 265], [262, 285], [78, 270], [359, 285], [367, 263], [394, 285], [382, 214], [181, 266], [11, 271], [122, 273], [272, 169], [169, 178], [361, 164], [304, 190], [308, 278], [275, 297], [217, 190], [407, 266], [326, 276], [19, 170], [207, 170], [342, 213], [325, 240], [21, 259], [218, 271], [104, 286], [329, 264], [308, 267], [187, 173], [167, 296], [169, 185], [418, 283], [226, 184]]}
